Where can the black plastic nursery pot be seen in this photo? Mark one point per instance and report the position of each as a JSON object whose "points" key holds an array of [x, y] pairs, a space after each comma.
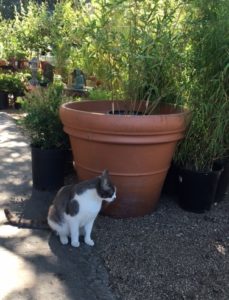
{"points": [[69, 167], [222, 191], [170, 187], [4, 102], [48, 168], [197, 190]]}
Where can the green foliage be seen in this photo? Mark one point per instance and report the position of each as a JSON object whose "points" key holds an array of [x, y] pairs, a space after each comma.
{"points": [[11, 84], [99, 94], [7, 7], [42, 120], [132, 47], [62, 24], [207, 137], [34, 30], [31, 27], [8, 39], [162, 50]]}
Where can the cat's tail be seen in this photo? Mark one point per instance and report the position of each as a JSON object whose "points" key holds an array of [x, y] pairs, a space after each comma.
{"points": [[14, 220]]}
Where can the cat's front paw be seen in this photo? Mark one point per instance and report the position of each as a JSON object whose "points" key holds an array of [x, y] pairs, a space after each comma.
{"points": [[75, 243], [89, 242], [63, 240]]}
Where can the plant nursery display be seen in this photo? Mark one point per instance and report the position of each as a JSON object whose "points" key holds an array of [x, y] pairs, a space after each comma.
{"points": [[156, 75]]}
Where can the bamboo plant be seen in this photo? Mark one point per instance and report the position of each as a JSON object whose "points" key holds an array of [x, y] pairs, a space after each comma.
{"points": [[133, 47], [207, 137]]}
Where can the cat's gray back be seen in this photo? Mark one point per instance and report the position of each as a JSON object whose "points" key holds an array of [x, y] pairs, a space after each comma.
{"points": [[63, 203], [83, 186], [66, 198]]}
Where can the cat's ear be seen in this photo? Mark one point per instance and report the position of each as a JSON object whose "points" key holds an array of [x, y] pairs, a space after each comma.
{"points": [[105, 173]]}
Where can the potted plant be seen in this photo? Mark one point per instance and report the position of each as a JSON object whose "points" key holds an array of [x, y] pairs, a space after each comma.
{"points": [[22, 60], [2, 62], [133, 138], [10, 84], [206, 141], [17, 59], [49, 143], [198, 174], [4, 102]]}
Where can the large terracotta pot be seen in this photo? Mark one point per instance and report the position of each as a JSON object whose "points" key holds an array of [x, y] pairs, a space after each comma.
{"points": [[136, 149]]}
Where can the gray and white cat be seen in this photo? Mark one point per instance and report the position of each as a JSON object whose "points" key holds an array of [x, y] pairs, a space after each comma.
{"points": [[75, 209]]}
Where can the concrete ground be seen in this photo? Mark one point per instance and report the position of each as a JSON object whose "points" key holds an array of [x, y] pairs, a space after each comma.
{"points": [[33, 264], [171, 254]]}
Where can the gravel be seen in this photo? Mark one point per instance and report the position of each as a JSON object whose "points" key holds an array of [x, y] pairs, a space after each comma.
{"points": [[170, 254]]}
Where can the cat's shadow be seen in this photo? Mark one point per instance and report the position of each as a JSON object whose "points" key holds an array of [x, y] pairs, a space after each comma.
{"points": [[81, 261], [60, 250], [73, 266], [80, 269], [36, 207]]}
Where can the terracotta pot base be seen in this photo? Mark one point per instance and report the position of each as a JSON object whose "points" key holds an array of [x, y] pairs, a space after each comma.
{"points": [[134, 193]]}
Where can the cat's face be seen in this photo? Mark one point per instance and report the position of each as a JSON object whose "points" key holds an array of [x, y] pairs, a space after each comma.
{"points": [[107, 190], [111, 196]]}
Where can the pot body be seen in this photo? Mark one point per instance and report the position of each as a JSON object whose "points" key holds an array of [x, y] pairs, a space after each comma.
{"points": [[136, 149], [197, 190], [47, 168], [4, 102]]}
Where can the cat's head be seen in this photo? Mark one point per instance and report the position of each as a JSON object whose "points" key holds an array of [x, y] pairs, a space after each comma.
{"points": [[106, 189]]}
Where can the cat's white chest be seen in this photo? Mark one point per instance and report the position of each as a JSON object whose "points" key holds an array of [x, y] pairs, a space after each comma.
{"points": [[89, 207]]}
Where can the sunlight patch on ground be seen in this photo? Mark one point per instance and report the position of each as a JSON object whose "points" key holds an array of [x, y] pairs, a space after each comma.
{"points": [[15, 181], [221, 249], [30, 245], [8, 230], [10, 139], [53, 287], [5, 196], [15, 274], [15, 154], [12, 144]]}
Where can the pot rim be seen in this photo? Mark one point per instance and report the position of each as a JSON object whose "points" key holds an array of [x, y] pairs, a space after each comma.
{"points": [[70, 107], [200, 172]]}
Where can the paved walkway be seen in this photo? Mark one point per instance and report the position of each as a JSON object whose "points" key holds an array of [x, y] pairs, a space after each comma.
{"points": [[34, 265]]}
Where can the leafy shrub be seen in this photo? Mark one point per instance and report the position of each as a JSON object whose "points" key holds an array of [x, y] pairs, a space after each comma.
{"points": [[42, 120], [11, 84], [99, 94]]}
